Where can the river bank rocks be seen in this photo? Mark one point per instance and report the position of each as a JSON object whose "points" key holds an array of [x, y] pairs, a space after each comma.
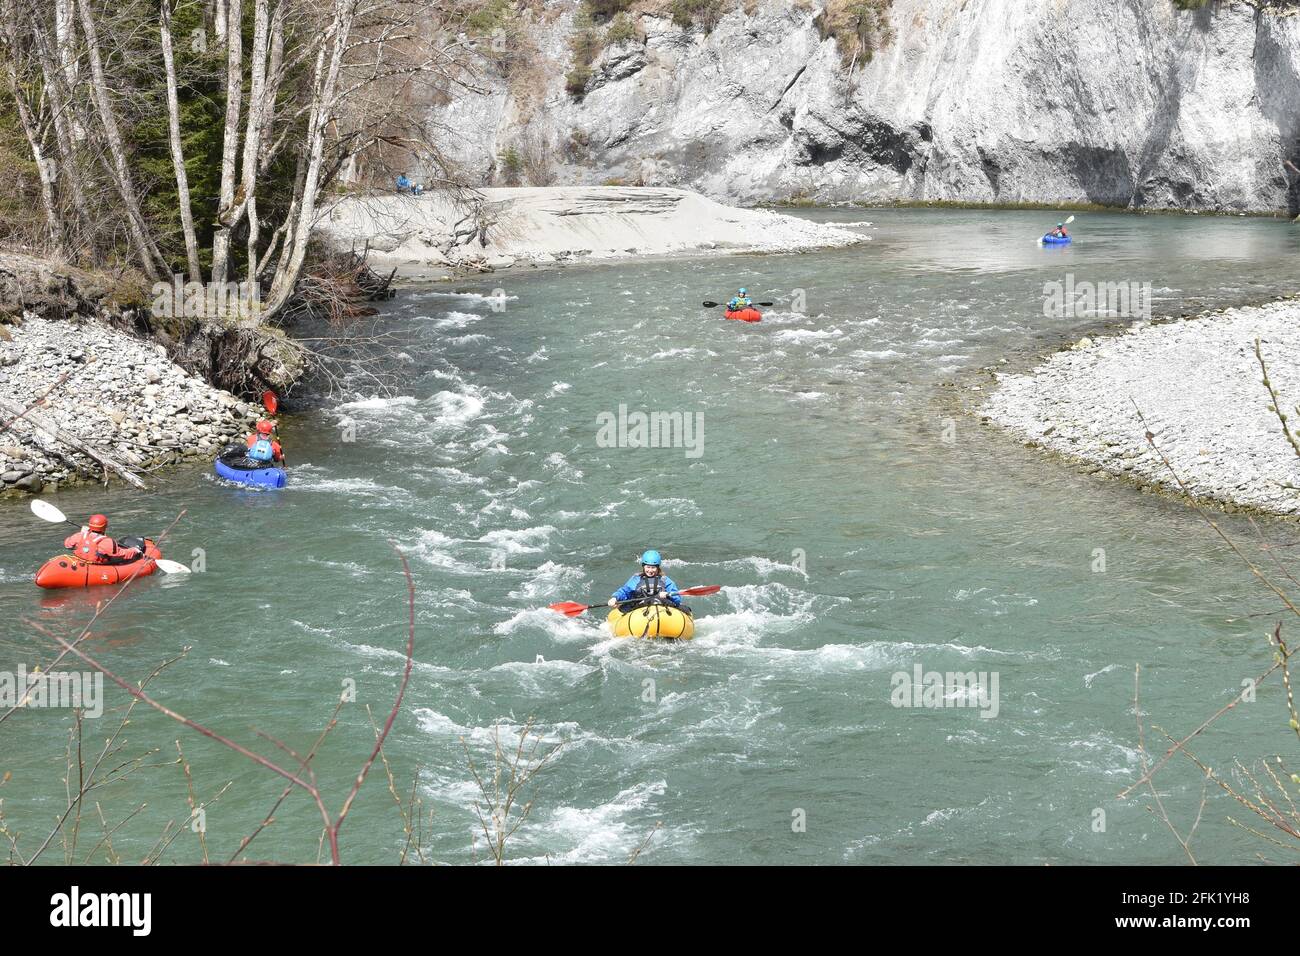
{"points": [[118, 394], [1199, 385]]}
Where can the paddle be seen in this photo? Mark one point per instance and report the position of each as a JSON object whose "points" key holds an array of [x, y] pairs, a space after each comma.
{"points": [[43, 509], [271, 402], [714, 305], [573, 608], [1067, 222]]}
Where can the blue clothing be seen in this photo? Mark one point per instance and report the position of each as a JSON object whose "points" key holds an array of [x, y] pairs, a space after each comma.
{"points": [[261, 451], [633, 588], [737, 303], [403, 184]]}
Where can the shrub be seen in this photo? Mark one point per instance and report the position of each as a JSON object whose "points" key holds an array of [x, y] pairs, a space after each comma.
{"points": [[607, 9], [489, 17], [576, 80], [620, 31], [860, 27], [704, 14], [512, 165]]}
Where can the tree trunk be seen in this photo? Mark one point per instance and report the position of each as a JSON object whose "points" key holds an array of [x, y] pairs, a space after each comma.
{"points": [[174, 137], [65, 138], [253, 134], [151, 260], [32, 131], [41, 424], [65, 38], [324, 90], [226, 212]]}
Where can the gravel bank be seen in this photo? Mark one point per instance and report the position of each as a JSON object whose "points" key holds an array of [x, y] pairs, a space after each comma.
{"points": [[123, 397], [550, 225], [1199, 385]]}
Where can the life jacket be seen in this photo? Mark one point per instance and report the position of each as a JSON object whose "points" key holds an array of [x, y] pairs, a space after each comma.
{"points": [[649, 587], [261, 450], [87, 545], [90, 547]]}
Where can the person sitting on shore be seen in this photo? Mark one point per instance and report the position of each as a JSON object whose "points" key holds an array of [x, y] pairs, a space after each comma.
{"points": [[262, 446], [739, 301], [648, 587], [403, 184], [1059, 232], [93, 545]]}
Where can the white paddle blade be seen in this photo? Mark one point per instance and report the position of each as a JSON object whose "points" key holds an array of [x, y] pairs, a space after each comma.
{"points": [[1070, 220], [43, 509], [171, 567]]}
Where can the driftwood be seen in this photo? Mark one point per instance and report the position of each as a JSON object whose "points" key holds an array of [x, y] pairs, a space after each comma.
{"points": [[44, 427], [336, 289]]}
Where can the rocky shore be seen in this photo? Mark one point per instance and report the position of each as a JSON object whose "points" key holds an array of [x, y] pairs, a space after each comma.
{"points": [[1199, 385], [118, 394]]}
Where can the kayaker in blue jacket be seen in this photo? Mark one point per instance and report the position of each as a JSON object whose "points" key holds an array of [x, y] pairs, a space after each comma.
{"points": [[649, 587], [740, 300]]}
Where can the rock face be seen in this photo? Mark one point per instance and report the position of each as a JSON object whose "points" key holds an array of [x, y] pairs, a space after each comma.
{"points": [[1104, 101]]}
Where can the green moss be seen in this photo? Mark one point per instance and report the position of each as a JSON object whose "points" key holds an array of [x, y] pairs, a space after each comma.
{"points": [[127, 290]]}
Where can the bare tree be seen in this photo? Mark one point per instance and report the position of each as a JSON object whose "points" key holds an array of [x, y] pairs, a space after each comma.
{"points": [[324, 88], [174, 141]]}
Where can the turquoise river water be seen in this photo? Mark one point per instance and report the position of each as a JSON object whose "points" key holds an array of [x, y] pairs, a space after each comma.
{"points": [[860, 524]]}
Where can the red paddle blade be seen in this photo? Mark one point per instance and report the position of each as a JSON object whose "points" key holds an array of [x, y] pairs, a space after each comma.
{"points": [[702, 589], [270, 401], [568, 608]]}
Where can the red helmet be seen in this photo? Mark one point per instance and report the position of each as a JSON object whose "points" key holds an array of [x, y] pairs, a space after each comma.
{"points": [[265, 427], [97, 524]]}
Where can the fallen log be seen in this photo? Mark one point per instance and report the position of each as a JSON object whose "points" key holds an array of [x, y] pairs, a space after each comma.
{"points": [[44, 428]]}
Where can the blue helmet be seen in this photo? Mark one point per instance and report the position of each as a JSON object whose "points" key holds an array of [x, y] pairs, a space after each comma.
{"points": [[744, 292], [652, 557]]}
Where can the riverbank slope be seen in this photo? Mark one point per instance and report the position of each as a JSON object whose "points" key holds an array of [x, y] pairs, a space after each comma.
{"points": [[85, 396]]}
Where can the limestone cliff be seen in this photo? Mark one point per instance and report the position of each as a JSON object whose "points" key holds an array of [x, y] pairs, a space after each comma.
{"points": [[1119, 102]]}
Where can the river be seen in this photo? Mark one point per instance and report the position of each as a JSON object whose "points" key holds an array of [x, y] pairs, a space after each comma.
{"points": [[860, 524]]}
